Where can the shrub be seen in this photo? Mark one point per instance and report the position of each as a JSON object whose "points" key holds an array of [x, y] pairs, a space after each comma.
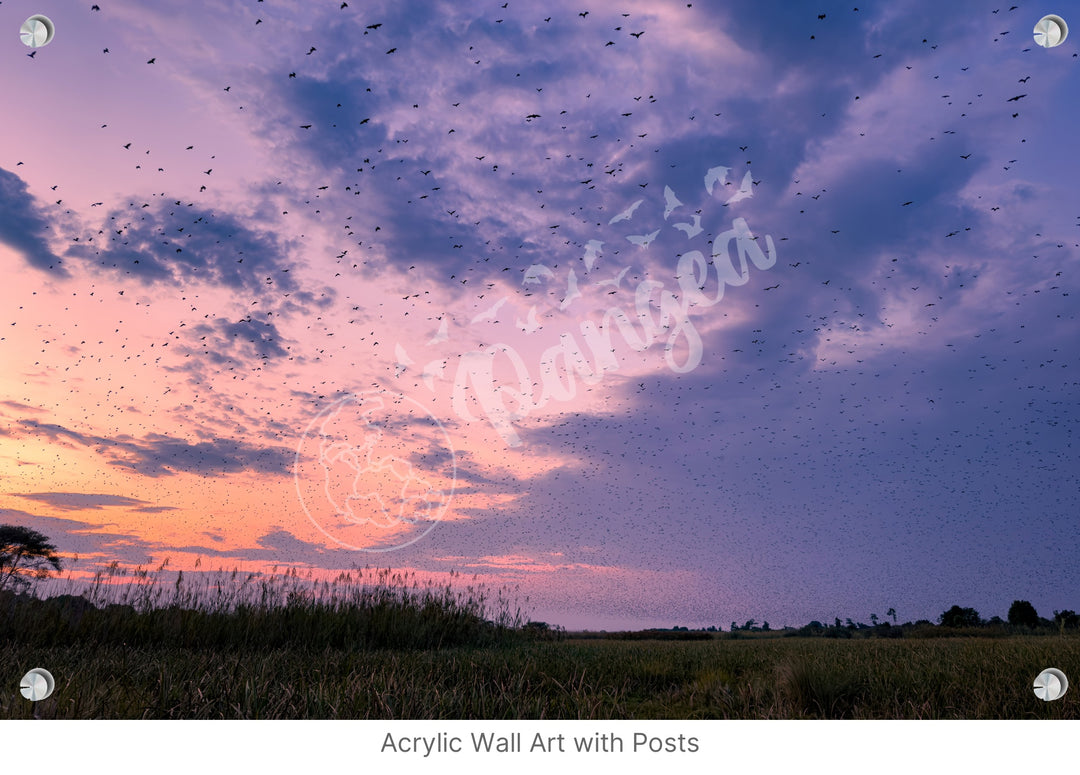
{"points": [[1023, 614], [960, 617], [1067, 619]]}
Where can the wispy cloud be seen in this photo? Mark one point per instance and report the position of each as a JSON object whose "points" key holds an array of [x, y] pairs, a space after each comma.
{"points": [[78, 501]]}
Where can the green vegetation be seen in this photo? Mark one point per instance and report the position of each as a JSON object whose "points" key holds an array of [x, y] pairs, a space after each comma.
{"points": [[380, 644], [598, 679], [377, 644]]}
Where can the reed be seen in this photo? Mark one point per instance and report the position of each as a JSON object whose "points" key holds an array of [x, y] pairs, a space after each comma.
{"points": [[363, 608]]}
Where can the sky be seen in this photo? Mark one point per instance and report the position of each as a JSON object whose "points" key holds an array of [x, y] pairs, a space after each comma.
{"points": [[655, 313]]}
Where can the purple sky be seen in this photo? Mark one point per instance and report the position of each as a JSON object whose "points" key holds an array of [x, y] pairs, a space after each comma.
{"points": [[835, 252]]}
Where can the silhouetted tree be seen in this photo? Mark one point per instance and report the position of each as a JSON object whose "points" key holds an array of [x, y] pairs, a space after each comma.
{"points": [[1022, 613], [891, 612], [960, 617], [1067, 619], [873, 619], [24, 554]]}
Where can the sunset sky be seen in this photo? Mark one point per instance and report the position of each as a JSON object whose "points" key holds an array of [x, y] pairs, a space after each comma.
{"points": [[834, 249]]}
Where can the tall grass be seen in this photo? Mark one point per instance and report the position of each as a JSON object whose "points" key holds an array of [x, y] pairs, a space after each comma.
{"points": [[384, 644], [791, 678], [363, 608]]}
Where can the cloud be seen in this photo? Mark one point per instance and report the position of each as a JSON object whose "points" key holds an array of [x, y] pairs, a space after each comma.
{"points": [[77, 501], [283, 542], [93, 542], [23, 225], [226, 342], [157, 455], [23, 407], [277, 546], [168, 242], [86, 539]]}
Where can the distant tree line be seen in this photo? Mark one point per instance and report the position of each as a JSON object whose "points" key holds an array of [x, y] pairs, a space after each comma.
{"points": [[1022, 617]]}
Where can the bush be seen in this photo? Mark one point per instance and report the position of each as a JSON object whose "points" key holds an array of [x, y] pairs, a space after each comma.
{"points": [[960, 617], [1067, 620], [1023, 614]]}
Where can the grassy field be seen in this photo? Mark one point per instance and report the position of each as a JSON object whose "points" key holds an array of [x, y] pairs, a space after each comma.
{"points": [[382, 645], [961, 678]]}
